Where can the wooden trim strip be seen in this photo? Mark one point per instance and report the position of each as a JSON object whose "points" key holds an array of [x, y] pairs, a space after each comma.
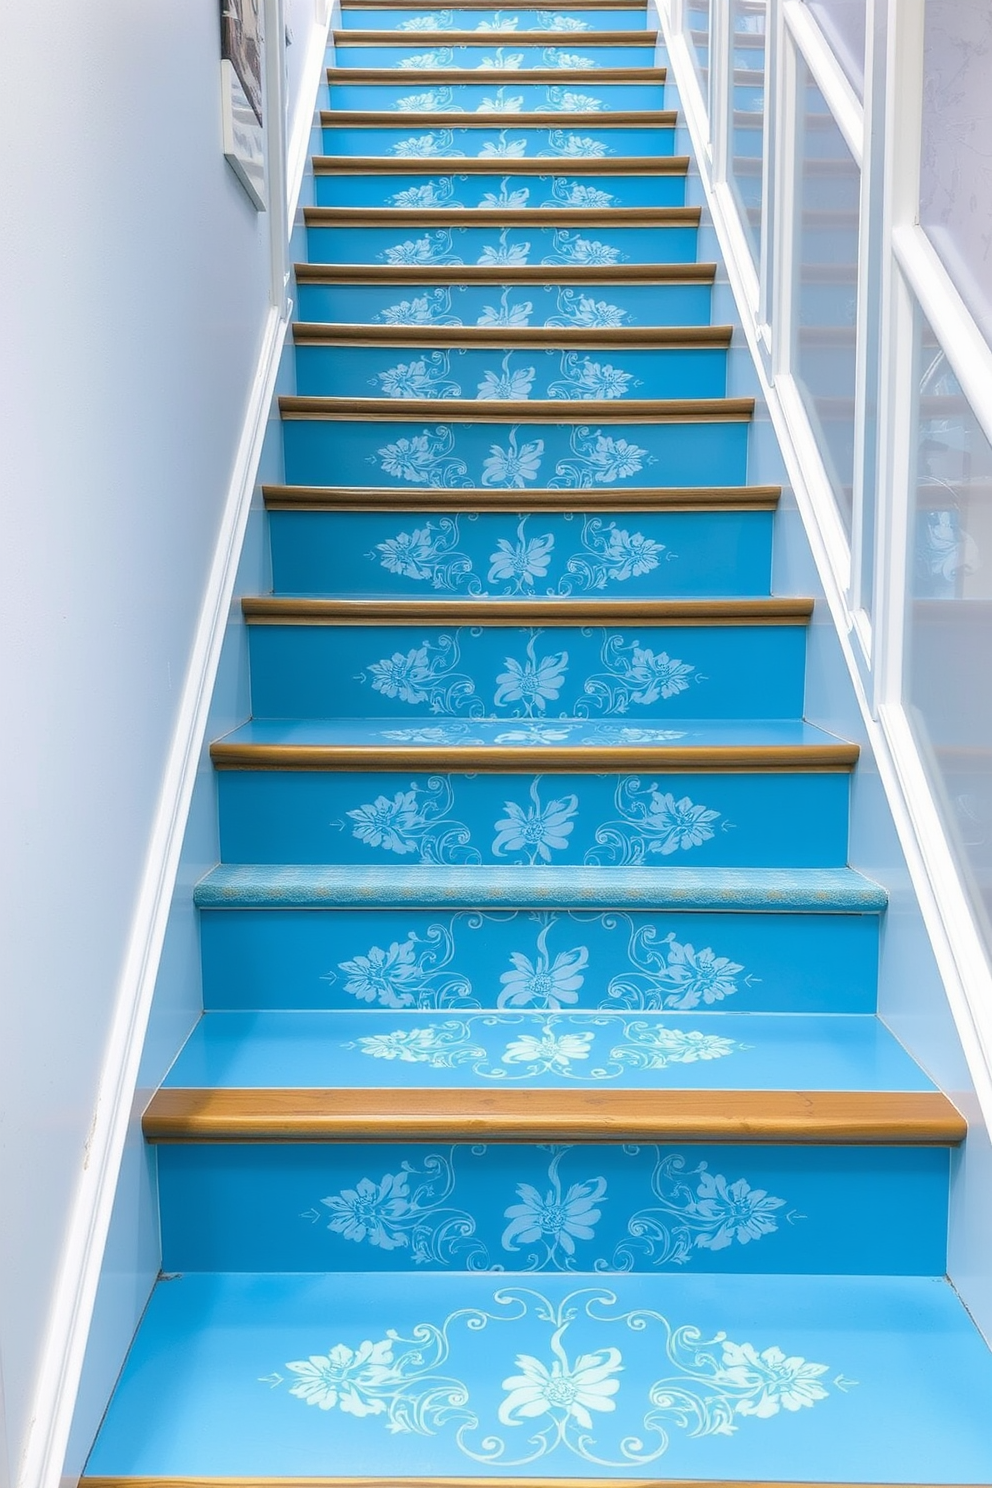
{"points": [[273, 609], [411, 39], [501, 217], [403, 77], [509, 274], [362, 498], [583, 759], [855, 1118], [383, 119], [533, 411], [387, 165], [674, 338]]}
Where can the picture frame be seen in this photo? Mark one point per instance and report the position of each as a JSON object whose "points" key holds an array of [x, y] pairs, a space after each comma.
{"points": [[242, 94]]}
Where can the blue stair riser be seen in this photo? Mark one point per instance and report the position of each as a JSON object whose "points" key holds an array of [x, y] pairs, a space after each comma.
{"points": [[521, 139], [342, 959], [494, 372], [418, 554], [513, 457], [496, 95], [602, 1209], [431, 673], [580, 305], [492, 191], [749, 97], [551, 247], [504, 52], [510, 20], [708, 820]]}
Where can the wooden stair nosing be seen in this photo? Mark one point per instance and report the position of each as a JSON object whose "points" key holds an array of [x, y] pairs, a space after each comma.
{"points": [[384, 119], [502, 165], [856, 1118], [673, 338], [505, 274], [425, 499], [532, 36], [403, 77], [508, 759], [513, 411], [500, 217], [277, 609]]}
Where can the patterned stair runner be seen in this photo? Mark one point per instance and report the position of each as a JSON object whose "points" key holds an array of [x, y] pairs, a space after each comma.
{"points": [[540, 1125]]}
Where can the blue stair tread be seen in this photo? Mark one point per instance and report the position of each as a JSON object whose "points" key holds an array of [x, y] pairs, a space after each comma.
{"points": [[890, 1380], [428, 731], [377, 1048], [259, 885]]}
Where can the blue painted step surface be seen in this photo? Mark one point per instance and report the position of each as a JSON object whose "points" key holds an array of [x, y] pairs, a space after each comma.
{"points": [[512, 19], [636, 554], [504, 53], [648, 677], [410, 957], [495, 94], [314, 1207], [410, 245], [494, 373], [364, 1050], [720, 820], [523, 137], [513, 456], [491, 192], [853, 1379], [551, 305]]}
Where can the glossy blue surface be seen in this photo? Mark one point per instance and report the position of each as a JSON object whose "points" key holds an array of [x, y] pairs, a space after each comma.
{"points": [[411, 95], [700, 554], [898, 1379], [512, 457], [515, 18], [416, 138], [548, 246], [525, 304], [420, 958], [491, 191], [505, 53], [792, 820], [429, 1051], [643, 1208], [646, 676]]}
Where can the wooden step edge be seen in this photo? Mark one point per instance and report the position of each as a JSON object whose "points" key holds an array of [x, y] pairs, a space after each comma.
{"points": [[409, 77], [532, 411], [508, 759], [363, 499], [532, 37], [673, 338], [509, 274], [501, 217], [275, 609], [468, 165], [546, 119], [843, 1118]]}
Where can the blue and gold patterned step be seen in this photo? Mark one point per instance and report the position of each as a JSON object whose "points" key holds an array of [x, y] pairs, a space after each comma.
{"points": [[514, 445], [494, 184], [482, 136], [253, 1377], [566, 296], [368, 543]]}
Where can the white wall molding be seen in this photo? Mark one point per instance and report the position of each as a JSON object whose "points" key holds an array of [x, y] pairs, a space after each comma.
{"points": [[301, 125], [841, 99]]}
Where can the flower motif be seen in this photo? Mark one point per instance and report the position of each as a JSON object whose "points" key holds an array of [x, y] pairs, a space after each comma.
{"points": [[533, 683], [444, 20], [562, 1218], [425, 457], [507, 314], [561, 1391], [341, 1376], [576, 250], [533, 733], [422, 146], [585, 311], [505, 197], [537, 831], [734, 1211], [543, 983], [429, 309], [417, 380], [425, 61], [550, 20], [654, 675], [698, 976], [434, 101], [389, 824], [630, 554], [507, 384], [512, 467], [430, 194], [408, 1045], [575, 194], [777, 1381], [555, 57], [400, 676], [384, 976], [679, 824], [564, 101], [651, 1046], [578, 145], [522, 562], [504, 253], [584, 378], [503, 148], [432, 248], [501, 104], [501, 62], [499, 23], [551, 1051], [369, 1211]]}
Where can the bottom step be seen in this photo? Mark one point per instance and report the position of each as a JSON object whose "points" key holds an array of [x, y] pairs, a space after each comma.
{"points": [[774, 1379]]}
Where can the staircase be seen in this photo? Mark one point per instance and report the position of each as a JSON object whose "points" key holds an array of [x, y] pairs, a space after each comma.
{"points": [[540, 1125]]}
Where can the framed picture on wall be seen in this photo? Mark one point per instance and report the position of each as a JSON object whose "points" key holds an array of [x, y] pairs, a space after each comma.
{"points": [[242, 41]]}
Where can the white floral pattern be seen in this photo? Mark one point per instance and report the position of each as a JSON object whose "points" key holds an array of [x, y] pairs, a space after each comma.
{"points": [[651, 822], [533, 683], [440, 142], [513, 466], [543, 983], [633, 674], [426, 377], [431, 101], [432, 248], [518, 564], [572, 248], [582, 378], [598, 459], [535, 831], [427, 674], [582, 310], [430, 308], [430, 554], [415, 823]]}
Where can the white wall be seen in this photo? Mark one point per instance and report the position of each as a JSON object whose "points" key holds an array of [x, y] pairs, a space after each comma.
{"points": [[135, 300]]}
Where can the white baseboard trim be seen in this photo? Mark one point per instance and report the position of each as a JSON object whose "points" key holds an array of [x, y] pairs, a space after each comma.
{"points": [[934, 876], [78, 1276]]}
